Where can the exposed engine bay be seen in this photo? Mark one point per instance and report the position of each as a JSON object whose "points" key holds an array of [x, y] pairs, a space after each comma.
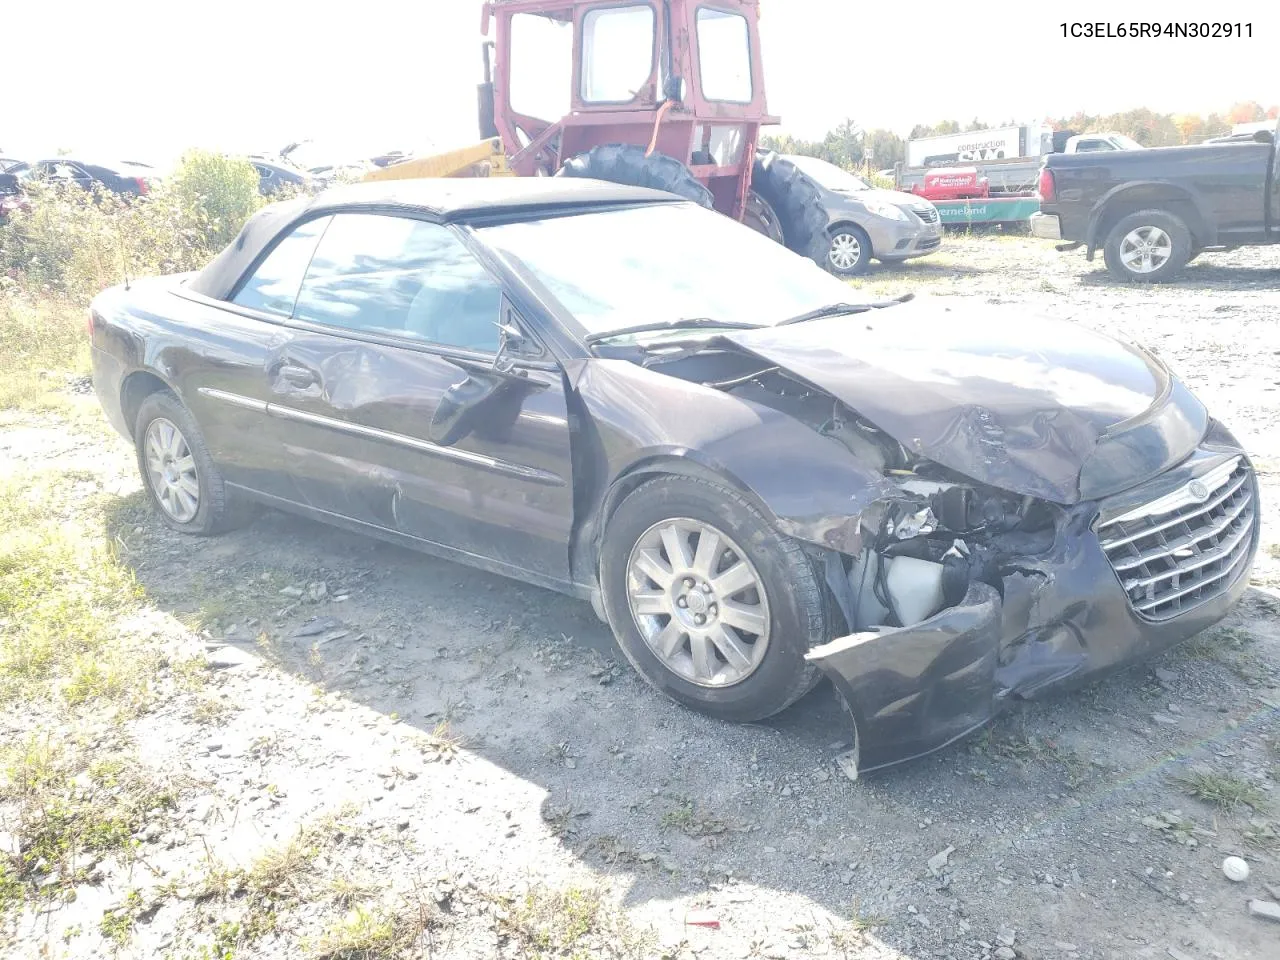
{"points": [[922, 551]]}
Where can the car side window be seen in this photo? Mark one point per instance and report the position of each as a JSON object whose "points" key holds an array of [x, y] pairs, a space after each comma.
{"points": [[385, 274], [273, 286]]}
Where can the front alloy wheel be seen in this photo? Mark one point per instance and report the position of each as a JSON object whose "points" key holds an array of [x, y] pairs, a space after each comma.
{"points": [[698, 602], [719, 622], [171, 471]]}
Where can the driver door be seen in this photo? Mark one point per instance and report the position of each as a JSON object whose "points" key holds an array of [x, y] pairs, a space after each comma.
{"points": [[395, 416]]}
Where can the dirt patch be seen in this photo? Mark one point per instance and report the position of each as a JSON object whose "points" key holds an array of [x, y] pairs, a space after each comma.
{"points": [[366, 752]]}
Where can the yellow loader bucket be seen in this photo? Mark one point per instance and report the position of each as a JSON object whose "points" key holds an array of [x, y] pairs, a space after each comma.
{"points": [[483, 159]]}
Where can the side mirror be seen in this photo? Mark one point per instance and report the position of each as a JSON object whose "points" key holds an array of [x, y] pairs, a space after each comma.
{"points": [[509, 338], [675, 89]]}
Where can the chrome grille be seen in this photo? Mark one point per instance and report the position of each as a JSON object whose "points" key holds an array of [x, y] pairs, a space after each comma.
{"points": [[1186, 547], [927, 214]]}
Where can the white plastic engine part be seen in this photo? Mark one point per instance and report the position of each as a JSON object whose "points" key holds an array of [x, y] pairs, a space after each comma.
{"points": [[915, 586], [862, 580]]}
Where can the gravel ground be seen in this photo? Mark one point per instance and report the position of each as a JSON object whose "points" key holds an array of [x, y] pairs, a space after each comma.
{"points": [[473, 748]]}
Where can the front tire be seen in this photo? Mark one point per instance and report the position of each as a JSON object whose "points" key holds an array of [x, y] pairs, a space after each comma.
{"points": [[1148, 246], [752, 603], [627, 164], [178, 473], [849, 252]]}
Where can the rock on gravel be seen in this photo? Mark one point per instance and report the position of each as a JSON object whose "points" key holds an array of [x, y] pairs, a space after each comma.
{"points": [[940, 860], [1265, 909], [1235, 869]]}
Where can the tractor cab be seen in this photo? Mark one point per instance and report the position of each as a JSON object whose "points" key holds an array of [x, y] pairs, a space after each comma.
{"points": [[679, 78]]}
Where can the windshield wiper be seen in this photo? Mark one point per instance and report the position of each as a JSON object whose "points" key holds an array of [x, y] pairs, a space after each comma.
{"points": [[694, 323], [841, 309]]}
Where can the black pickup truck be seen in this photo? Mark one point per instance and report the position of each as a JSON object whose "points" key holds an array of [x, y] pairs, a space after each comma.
{"points": [[1153, 211]]}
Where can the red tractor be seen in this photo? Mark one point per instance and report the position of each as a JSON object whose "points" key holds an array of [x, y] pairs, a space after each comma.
{"points": [[656, 93]]}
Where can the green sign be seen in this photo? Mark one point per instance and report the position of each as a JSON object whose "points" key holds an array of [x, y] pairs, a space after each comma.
{"points": [[1002, 210]]}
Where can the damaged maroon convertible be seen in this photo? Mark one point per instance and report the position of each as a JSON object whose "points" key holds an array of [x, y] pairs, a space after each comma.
{"points": [[616, 394]]}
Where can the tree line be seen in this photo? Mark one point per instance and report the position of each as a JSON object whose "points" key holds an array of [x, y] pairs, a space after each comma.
{"points": [[850, 146]]}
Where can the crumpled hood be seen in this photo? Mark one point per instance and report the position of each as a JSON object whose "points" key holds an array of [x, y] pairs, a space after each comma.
{"points": [[1033, 406]]}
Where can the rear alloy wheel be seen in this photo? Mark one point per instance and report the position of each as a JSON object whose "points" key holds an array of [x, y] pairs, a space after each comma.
{"points": [[171, 470], [1147, 247], [850, 252], [711, 604], [179, 474]]}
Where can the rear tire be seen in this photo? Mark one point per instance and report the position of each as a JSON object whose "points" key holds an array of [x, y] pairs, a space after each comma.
{"points": [[789, 599], [178, 473], [1148, 246], [762, 218], [797, 203], [627, 164]]}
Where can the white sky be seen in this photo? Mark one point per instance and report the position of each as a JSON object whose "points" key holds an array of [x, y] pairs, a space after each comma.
{"points": [[152, 77]]}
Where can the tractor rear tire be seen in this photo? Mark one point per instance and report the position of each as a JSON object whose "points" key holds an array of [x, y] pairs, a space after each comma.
{"points": [[762, 218], [797, 203], [627, 164]]}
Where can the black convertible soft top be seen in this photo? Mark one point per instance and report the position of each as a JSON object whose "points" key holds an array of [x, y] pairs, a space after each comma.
{"points": [[444, 199]]}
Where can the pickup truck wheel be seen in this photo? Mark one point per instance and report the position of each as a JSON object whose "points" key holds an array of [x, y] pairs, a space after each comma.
{"points": [[180, 477], [1149, 246], [712, 606]]}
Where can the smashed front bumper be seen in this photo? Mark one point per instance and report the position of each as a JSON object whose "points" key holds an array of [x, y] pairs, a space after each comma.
{"points": [[1124, 579]]}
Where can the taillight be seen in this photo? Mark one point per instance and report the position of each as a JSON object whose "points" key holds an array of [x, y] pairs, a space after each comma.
{"points": [[89, 324], [1047, 188], [143, 187]]}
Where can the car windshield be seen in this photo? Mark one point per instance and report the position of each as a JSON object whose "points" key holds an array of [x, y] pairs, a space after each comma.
{"points": [[829, 175], [663, 263]]}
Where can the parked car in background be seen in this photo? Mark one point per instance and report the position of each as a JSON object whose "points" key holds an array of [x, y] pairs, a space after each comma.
{"points": [[1101, 143], [866, 223], [12, 165], [275, 175], [945, 509], [1152, 211], [12, 198], [123, 177], [327, 174]]}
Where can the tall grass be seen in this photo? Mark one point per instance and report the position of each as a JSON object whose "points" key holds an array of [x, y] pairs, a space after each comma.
{"points": [[74, 243]]}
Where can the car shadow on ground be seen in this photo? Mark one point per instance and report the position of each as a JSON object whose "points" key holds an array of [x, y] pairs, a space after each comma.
{"points": [[1203, 274], [668, 802], [921, 269]]}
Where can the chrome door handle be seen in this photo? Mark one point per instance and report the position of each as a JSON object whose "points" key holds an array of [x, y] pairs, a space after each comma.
{"points": [[297, 375]]}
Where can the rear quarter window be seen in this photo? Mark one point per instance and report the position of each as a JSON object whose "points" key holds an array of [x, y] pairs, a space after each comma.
{"points": [[273, 285]]}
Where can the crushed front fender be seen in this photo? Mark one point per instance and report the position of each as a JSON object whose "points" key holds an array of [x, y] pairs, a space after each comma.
{"points": [[913, 690]]}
